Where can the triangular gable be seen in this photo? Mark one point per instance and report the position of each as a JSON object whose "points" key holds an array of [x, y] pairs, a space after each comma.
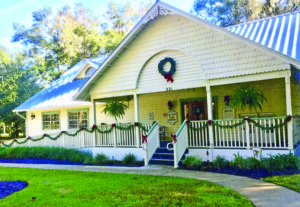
{"points": [[160, 9]]}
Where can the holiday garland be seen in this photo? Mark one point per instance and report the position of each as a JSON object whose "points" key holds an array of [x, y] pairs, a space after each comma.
{"points": [[92, 130], [214, 123], [167, 75]]}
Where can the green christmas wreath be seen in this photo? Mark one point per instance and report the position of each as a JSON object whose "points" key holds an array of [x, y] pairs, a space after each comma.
{"points": [[167, 75]]}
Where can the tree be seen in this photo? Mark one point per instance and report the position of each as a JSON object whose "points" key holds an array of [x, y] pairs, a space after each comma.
{"points": [[231, 12], [17, 84], [115, 109]]}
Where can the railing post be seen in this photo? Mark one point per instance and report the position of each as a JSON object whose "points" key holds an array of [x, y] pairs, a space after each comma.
{"points": [[247, 134], [63, 140], [82, 141], [114, 137], [145, 154], [136, 118], [95, 137]]}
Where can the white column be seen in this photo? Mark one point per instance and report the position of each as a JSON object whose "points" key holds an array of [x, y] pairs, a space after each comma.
{"points": [[209, 115], [94, 118], [136, 118], [288, 97]]}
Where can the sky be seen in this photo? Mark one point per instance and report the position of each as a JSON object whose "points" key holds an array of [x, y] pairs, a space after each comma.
{"points": [[20, 11]]}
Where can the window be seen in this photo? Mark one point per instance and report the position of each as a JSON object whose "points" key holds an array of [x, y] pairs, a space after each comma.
{"points": [[78, 119], [50, 121]]}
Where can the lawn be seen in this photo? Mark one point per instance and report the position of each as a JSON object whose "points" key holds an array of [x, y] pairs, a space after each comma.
{"points": [[75, 188], [289, 181]]}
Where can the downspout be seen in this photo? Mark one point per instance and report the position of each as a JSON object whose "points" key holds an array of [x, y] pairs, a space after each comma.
{"points": [[25, 122]]}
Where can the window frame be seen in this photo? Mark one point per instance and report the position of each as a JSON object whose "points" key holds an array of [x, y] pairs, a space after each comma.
{"points": [[51, 113], [77, 110]]}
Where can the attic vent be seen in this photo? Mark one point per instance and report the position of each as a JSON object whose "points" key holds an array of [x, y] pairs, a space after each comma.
{"points": [[89, 72]]}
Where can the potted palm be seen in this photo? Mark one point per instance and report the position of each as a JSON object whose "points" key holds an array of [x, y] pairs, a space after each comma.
{"points": [[247, 96], [115, 109]]}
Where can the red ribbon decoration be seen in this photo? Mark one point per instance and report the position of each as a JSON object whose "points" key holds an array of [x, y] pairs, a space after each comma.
{"points": [[187, 121], [82, 128], [44, 135], [94, 126], [247, 119], [154, 122], [174, 138], [15, 139], [62, 132], [168, 77], [288, 118], [207, 153], [144, 138], [209, 122], [136, 124], [113, 125], [28, 137]]}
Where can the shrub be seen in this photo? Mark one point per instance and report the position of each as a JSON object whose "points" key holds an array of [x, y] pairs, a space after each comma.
{"points": [[192, 161], [89, 160], [220, 162], [252, 163], [129, 160], [238, 161], [280, 162], [54, 153], [101, 159]]}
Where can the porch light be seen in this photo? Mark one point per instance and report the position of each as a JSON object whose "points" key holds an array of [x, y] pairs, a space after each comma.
{"points": [[32, 116]]}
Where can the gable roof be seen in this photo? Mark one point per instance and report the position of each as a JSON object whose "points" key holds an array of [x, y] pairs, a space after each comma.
{"points": [[60, 93], [161, 8], [279, 33]]}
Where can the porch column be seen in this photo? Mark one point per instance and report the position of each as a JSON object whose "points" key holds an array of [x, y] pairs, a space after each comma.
{"points": [[94, 121], [209, 115], [288, 97], [136, 118]]}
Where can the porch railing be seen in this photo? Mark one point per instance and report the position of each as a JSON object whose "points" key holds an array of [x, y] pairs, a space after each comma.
{"points": [[296, 129], [270, 132], [152, 142], [122, 135], [181, 143]]}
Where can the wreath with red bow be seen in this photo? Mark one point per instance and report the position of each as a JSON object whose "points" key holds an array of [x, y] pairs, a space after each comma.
{"points": [[167, 75]]}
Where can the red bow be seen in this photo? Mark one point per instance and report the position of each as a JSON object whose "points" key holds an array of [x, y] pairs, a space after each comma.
{"points": [[15, 140], [154, 122], [136, 124], [113, 125], [144, 138], [174, 138], [247, 119], [94, 126], [209, 122], [82, 128], [207, 153], [288, 118], [28, 137], [168, 77], [188, 121]]}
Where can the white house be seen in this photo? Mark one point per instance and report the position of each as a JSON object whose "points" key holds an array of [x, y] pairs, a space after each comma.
{"points": [[202, 64]]}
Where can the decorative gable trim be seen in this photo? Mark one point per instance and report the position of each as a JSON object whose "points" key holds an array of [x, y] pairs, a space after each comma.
{"points": [[159, 10]]}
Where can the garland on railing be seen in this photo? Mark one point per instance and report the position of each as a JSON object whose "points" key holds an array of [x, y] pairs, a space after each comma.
{"points": [[92, 130], [214, 123]]}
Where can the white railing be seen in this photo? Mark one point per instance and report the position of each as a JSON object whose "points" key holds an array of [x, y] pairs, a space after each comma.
{"points": [[181, 144], [233, 137], [238, 133], [296, 129], [152, 143], [117, 137]]}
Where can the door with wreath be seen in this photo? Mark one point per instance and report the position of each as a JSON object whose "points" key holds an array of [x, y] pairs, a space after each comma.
{"points": [[194, 110]]}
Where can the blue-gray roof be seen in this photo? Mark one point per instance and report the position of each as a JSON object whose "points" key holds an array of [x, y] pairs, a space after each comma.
{"points": [[60, 93], [280, 33]]}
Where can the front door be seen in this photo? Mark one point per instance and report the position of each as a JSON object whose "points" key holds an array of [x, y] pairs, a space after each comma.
{"points": [[194, 110]]}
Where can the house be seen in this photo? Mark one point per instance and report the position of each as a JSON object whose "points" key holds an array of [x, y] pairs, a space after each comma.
{"points": [[173, 67]]}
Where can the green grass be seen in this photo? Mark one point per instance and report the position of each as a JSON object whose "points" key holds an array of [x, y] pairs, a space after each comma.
{"points": [[289, 181], [74, 188]]}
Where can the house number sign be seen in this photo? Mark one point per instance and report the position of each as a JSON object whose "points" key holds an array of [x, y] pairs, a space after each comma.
{"points": [[172, 117]]}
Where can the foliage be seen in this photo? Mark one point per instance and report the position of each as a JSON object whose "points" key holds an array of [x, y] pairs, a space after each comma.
{"points": [[129, 160], [280, 162], [248, 96], [231, 12], [17, 84], [252, 163], [115, 109], [192, 161], [289, 181], [238, 161], [101, 159], [220, 162], [53, 153], [69, 188]]}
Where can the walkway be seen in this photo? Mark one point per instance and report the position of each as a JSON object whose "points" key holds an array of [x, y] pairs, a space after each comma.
{"points": [[260, 193]]}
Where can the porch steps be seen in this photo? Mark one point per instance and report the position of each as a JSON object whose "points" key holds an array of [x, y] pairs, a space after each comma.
{"points": [[163, 156]]}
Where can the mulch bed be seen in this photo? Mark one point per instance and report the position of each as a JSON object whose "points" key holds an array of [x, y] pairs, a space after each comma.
{"points": [[252, 173], [9, 187]]}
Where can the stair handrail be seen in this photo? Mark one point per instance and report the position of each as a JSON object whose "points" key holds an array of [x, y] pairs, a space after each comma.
{"points": [[180, 143], [151, 142]]}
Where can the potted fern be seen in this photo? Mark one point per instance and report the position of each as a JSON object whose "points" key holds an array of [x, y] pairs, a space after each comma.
{"points": [[115, 109], [247, 96]]}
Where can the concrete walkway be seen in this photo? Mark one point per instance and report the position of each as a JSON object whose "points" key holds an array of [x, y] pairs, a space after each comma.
{"points": [[260, 193]]}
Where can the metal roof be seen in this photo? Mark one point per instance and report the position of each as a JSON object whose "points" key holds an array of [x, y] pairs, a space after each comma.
{"points": [[60, 93], [280, 33]]}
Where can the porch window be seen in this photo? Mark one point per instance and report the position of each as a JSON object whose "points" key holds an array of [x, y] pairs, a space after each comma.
{"points": [[77, 119], [50, 121]]}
